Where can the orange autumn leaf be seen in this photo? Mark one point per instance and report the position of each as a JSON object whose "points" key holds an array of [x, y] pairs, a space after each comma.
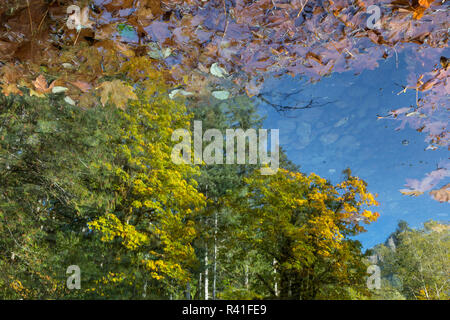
{"points": [[418, 13], [11, 88], [425, 3], [10, 73], [41, 85]]}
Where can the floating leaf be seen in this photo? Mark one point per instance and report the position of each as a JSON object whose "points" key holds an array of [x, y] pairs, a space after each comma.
{"points": [[69, 101], [117, 92], [179, 91], [425, 3], [156, 52], [83, 86], [414, 193], [221, 95], [11, 89], [58, 89], [41, 85], [442, 194], [218, 71], [418, 13]]}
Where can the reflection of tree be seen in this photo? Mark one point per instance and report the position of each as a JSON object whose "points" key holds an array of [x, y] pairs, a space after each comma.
{"points": [[248, 39], [418, 267]]}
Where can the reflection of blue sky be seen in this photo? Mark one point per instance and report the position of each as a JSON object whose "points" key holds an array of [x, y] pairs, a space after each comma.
{"points": [[346, 133]]}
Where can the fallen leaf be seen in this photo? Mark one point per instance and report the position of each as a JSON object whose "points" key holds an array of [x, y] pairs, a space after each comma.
{"points": [[83, 86], [144, 15], [41, 85], [221, 95], [105, 32], [69, 100], [58, 89], [117, 92], [442, 194], [418, 13], [218, 71], [425, 3], [11, 89], [124, 49], [11, 73], [414, 193], [179, 91], [67, 65]]}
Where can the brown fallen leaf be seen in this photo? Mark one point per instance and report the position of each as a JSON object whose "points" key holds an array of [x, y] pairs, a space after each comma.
{"points": [[144, 15], [41, 85], [105, 32], [11, 88], [83, 86], [7, 49], [124, 49], [11, 73], [442, 194]]}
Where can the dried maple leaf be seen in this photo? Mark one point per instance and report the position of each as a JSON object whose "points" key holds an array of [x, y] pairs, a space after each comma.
{"points": [[41, 85], [11, 88], [11, 73], [144, 15], [117, 92], [7, 49]]}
